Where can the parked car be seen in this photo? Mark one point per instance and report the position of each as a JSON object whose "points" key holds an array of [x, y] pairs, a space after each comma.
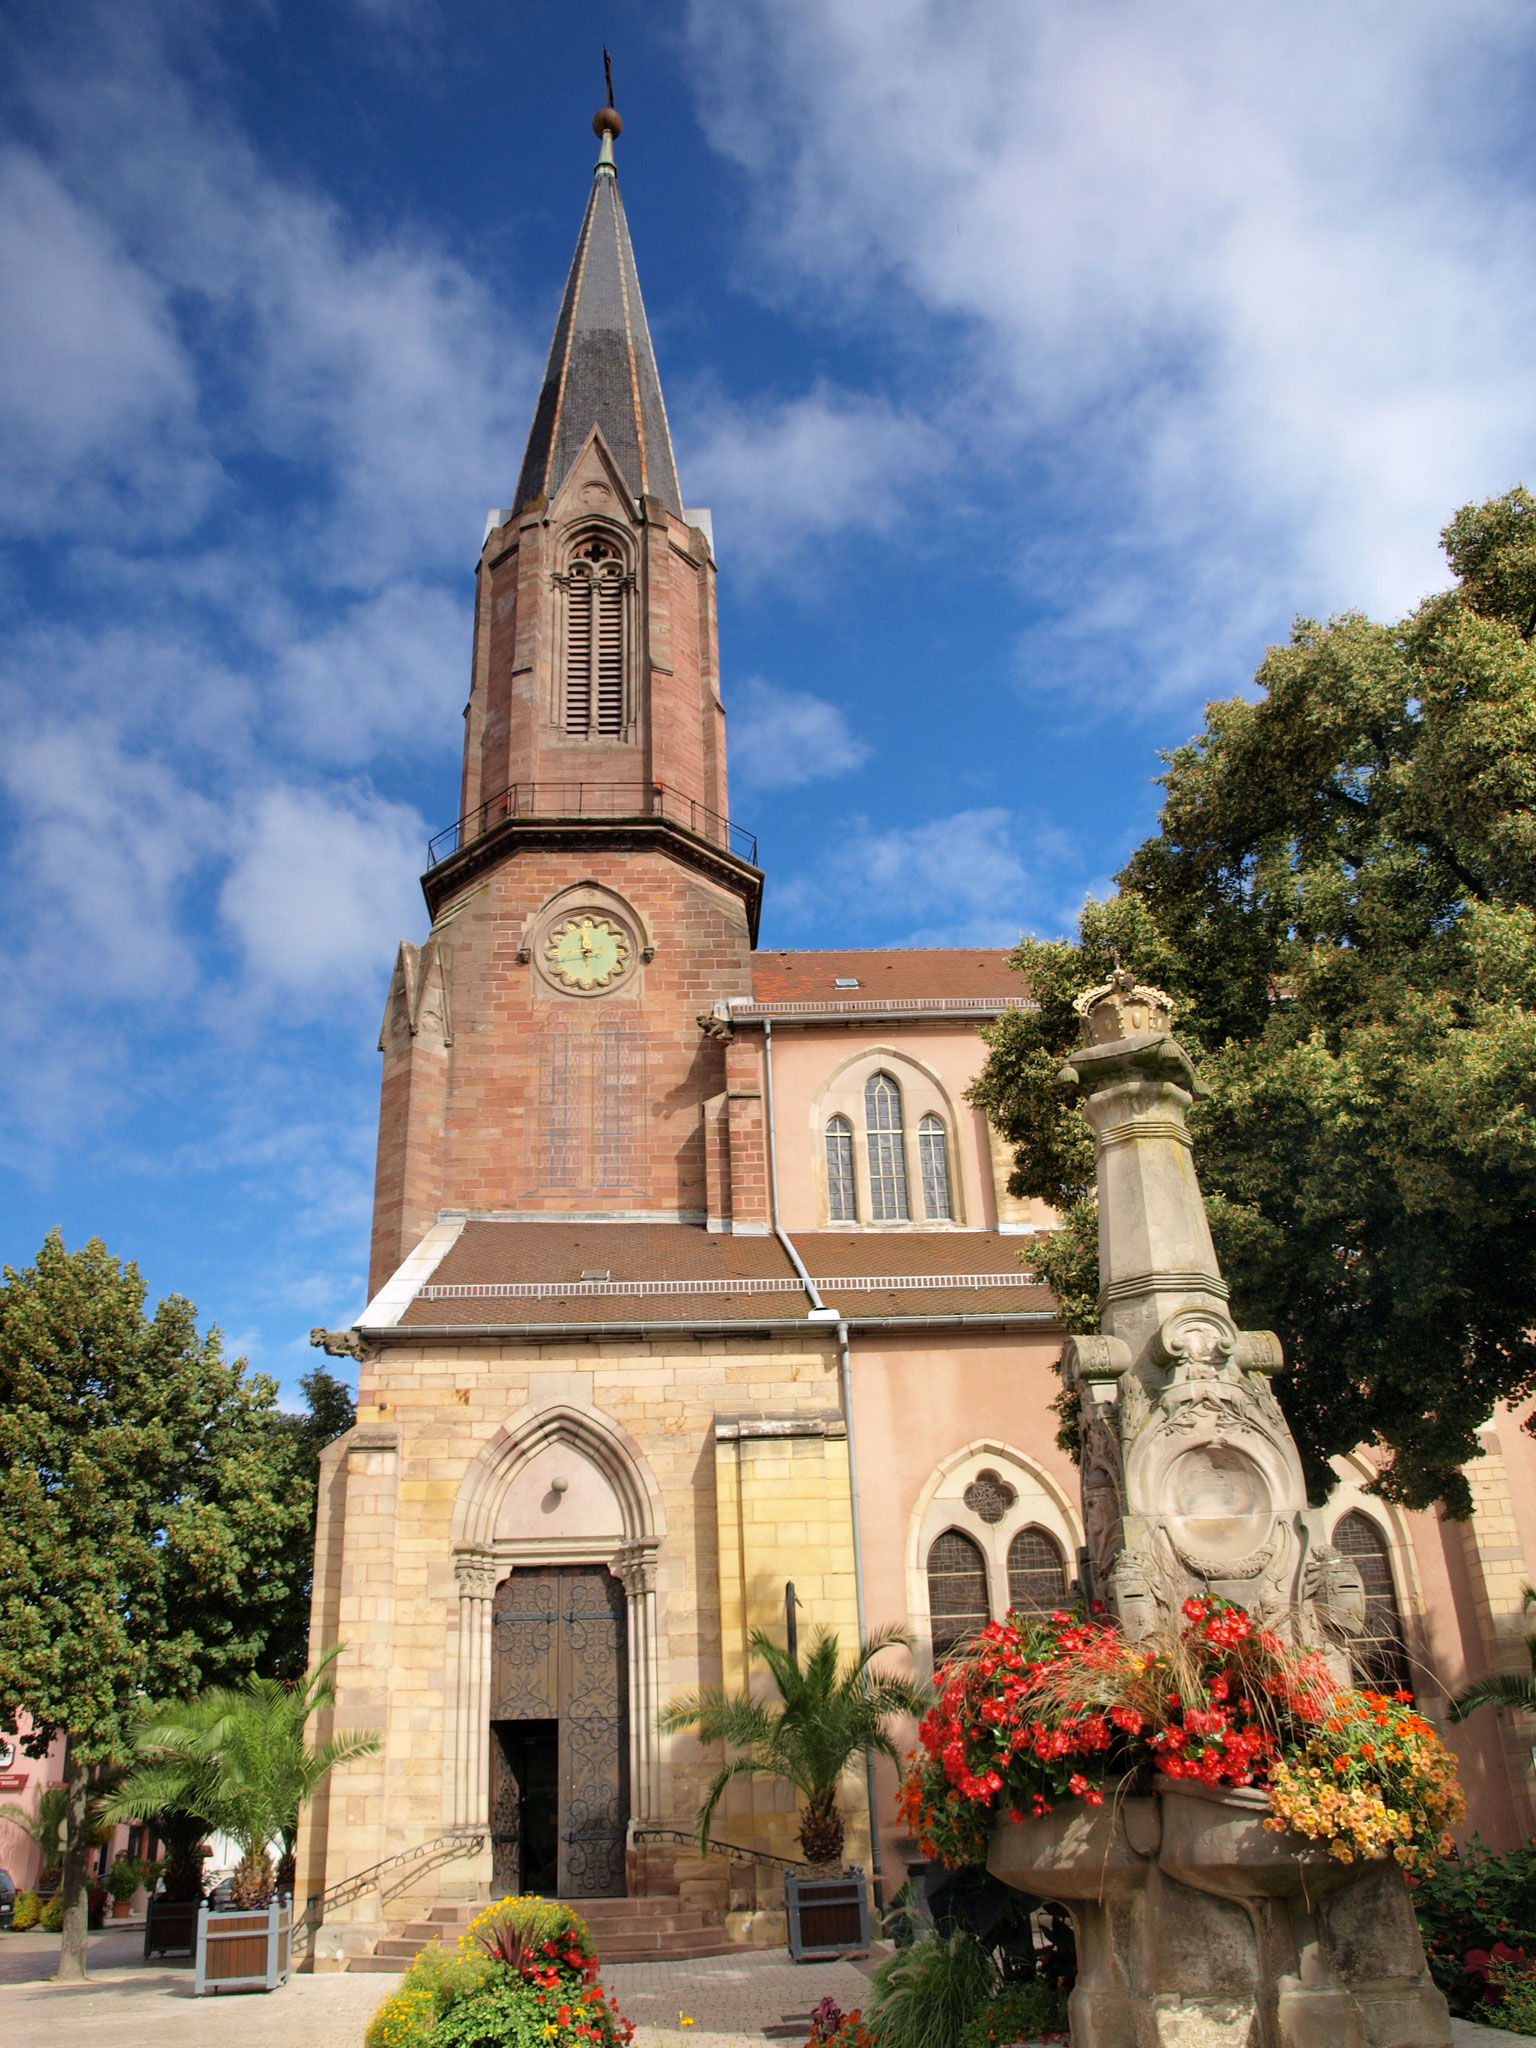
{"points": [[7, 1899]]}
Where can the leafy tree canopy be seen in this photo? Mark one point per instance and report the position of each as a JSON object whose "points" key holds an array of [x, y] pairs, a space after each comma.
{"points": [[1342, 900]]}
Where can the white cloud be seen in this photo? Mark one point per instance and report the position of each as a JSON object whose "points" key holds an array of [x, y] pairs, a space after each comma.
{"points": [[781, 475], [387, 671], [97, 398], [1251, 288], [109, 841], [974, 878], [779, 739], [322, 886]]}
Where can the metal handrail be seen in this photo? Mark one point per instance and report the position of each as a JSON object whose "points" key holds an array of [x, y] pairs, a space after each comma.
{"points": [[441, 1849], [593, 800], [716, 1848]]}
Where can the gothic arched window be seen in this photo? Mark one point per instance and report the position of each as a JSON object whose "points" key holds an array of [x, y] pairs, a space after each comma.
{"points": [[842, 1201], [933, 1158], [594, 642], [957, 1592], [1037, 1574], [887, 1150], [1377, 1656]]}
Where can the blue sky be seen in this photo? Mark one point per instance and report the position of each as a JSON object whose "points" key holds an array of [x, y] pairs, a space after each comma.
{"points": [[1040, 359]]}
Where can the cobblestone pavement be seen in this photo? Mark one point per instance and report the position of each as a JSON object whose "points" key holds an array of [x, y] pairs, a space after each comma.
{"points": [[730, 2000], [726, 1998]]}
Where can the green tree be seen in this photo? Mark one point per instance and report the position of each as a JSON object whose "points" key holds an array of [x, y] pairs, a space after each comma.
{"points": [[1342, 900], [148, 1535], [328, 1411], [824, 1720], [237, 1757]]}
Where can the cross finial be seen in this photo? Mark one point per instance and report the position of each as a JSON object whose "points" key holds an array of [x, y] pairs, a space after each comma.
{"points": [[606, 123]]}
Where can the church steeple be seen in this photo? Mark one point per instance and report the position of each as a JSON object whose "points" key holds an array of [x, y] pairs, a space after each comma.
{"points": [[596, 692], [602, 369]]}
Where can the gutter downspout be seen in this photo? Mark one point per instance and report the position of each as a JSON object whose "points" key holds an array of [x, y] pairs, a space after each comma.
{"points": [[820, 1313], [845, 1377]]}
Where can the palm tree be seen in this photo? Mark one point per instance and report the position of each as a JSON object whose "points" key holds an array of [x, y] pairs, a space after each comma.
{"points": [[236, 1756], [1503, 1688], [821, 1723], [46, 1826]]}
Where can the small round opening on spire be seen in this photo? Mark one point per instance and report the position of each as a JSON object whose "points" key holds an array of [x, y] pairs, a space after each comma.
{"points": [[606, 121]]}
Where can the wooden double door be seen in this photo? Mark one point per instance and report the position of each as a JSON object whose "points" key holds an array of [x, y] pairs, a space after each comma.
{"points": [[559, 1733]]}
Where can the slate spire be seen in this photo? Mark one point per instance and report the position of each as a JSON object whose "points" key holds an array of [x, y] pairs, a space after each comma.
{"points": [[602, 368]]}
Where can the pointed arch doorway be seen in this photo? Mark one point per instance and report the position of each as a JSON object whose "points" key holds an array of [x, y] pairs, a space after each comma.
{"points": [[559, 1732]]}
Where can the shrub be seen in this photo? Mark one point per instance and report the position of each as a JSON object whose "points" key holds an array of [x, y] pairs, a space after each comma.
{"points": [[29, 1909], [1515, 2011], [1472, 1903], [523, 1977], [1020, 2012], [51, 1918], [529, 1931], [124, 1878], [428, 1988], [927, 1995]]}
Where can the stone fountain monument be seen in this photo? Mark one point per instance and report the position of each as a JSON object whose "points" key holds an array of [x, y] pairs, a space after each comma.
{"points": [[1196, 1927]]}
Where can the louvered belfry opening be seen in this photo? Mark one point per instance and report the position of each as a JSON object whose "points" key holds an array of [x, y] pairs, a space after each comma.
{"points": [[594, 643]]}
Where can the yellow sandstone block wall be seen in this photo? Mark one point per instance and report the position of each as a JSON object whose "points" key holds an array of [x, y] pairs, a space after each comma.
{"points": [[784, 1514]]}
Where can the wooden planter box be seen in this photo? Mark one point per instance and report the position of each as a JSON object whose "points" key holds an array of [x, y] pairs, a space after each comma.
{"points": [[170, 1927], [827, 1915], [243, 1951]]}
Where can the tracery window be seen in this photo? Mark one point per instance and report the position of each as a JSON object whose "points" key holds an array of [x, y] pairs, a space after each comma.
{"points": [[957, 1592], [887, 1150], [1377, 1656], [1037, 1573], [594, 642], [842, 1200], [933, 1159]]}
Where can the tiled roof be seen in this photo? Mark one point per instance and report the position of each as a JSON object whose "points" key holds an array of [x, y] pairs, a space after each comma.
{"points": [[900, 975], [502, 1274]]}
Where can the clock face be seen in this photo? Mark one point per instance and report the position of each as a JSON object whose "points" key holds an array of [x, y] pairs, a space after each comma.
{"points": [[587, 953]]}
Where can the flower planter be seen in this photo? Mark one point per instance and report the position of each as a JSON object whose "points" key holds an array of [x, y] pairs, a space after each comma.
{"points": [[1195, 1922], [243, 1950], [170, 1927], [827, 1916], [122, 1909]]}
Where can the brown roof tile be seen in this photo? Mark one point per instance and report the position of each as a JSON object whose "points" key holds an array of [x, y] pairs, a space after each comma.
{"points": [[902, 974], [679, 1273]]}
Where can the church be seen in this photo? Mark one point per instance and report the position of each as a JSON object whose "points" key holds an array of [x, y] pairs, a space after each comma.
{"points": [[698, 1303]]}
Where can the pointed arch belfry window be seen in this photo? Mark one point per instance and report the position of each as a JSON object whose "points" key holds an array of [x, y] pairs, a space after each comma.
{"points": [[887, 1150], [596, 632]]}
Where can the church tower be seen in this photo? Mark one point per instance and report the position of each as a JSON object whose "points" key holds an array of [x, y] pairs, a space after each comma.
{"points": [[541, 1048]]}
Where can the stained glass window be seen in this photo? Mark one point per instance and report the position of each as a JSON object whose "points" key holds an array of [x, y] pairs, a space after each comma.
{"points": [[842, 1202], [957, 1592], [1037, 1576], [887, 1150], [933, 1156], [1377, 1656]]}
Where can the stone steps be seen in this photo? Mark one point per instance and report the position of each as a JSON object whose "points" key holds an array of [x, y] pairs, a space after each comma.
{"points": [[624, 1931]]}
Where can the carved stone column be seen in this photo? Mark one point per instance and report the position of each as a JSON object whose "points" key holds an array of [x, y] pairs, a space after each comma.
{"points": [[1191, 1478], [634, 1566], [469, 1722]]}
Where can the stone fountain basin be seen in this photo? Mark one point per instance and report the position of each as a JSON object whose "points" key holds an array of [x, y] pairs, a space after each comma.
{"points": [[1079, 1851], [1215, 1841]]}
